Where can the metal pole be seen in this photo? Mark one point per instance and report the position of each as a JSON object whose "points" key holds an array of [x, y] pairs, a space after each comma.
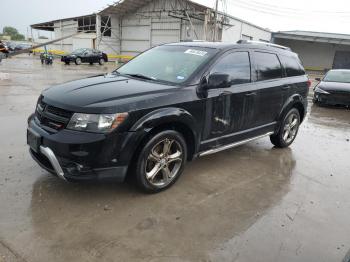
{"points": [[215, 19]]}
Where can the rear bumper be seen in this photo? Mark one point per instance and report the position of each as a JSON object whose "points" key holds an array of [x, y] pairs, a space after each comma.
{"points": [[67, 59]]}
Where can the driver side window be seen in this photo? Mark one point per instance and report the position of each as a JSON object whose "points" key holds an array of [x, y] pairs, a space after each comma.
{"points": [[236, 65]]}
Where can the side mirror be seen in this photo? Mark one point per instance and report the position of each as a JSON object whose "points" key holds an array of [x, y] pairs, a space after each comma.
{"points": [[318, 79], [218, 80]]}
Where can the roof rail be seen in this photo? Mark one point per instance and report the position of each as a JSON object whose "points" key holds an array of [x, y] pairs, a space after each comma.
{"points": [[262, 43]]}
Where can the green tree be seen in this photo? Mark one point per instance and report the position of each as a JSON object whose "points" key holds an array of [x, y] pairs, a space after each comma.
{"points": [[13, 32]]}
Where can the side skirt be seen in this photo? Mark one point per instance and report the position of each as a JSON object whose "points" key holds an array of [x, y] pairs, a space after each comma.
{"points": [[222, 148]]}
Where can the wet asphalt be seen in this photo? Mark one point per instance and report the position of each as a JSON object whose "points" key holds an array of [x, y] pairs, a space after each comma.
{"points": [[251, 203]]}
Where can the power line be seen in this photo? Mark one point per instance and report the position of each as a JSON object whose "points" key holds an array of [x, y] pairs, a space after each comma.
{"points": [[254, 6], [297, 10]]}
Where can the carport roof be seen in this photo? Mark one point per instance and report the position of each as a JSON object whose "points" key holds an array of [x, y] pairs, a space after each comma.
{"points": [[320, 37], [125, 6], [50, 26]]}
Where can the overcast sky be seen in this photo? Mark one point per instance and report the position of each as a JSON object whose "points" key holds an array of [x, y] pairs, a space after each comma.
{"points": [[312, 15]]}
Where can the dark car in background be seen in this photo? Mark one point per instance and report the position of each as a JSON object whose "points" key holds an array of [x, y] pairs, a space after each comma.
{"points": [[85, 55], [3, 48], [22, 46], [168, 105], [334, 88]]}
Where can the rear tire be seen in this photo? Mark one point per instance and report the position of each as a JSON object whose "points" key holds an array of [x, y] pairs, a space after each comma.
{"points": [[101, 61], [67, 63], [288, 130], [161, 161]]}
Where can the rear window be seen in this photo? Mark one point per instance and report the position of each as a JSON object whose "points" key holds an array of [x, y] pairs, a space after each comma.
{"points": [[268, 66], [292, 66]]}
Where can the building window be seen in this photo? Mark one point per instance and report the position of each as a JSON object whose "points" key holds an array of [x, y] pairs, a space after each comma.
{"points": [[87, 24], [247, 37], [106, 26]]}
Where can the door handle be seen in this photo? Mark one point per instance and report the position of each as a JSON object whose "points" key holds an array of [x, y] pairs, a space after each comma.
{"points": [[285, 87], [250, 94]]}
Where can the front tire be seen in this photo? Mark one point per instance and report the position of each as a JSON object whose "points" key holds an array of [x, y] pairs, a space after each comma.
{"points": [[288, 130], [78, 61], [161, 161]]}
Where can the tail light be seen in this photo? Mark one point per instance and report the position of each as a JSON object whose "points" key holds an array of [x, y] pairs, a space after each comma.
{"points": [[309, 83]]}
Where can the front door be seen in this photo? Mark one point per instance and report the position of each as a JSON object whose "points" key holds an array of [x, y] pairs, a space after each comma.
{"points": [[230, 110]]}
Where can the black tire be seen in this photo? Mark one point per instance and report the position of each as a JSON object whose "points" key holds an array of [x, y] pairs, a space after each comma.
{"points": [[169, 170], [279, 140], [78, 61], [101, 61], [316, 102], [67, 63]]}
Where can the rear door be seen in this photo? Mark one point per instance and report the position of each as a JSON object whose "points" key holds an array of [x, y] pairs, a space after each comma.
{"points": [[87, 56], [295, 76], [230, 110], [268, 75]]}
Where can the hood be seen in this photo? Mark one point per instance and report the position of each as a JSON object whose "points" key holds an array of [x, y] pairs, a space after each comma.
{"points": [[106, 94], [334, 86]]}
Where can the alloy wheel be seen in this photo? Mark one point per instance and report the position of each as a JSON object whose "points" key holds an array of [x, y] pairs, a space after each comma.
{"points": [[164, 162], [290, 128]]}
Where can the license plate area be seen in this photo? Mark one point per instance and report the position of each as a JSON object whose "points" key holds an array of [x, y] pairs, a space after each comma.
{"points": [[33, 140]]}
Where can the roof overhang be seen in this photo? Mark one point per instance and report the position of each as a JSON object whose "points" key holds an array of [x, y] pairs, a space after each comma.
{"points": [[50, 26], [313, 38], [123, 7]]}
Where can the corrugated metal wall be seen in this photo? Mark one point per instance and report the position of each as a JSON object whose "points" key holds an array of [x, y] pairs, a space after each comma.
{"points": [[162, 21]]}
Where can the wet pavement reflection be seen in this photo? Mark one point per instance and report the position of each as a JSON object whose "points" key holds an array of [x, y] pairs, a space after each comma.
{"points": [[251, 203]]}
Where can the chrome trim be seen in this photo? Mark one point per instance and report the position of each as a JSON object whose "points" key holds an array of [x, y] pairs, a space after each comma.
{"points": [[215, 150], [240, 132], [53, 160]]}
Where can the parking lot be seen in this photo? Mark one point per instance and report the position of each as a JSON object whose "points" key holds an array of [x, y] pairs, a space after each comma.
{"points": [[251, 203]]}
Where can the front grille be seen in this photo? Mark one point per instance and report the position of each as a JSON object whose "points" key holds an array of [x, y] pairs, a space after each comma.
{"points": [[52, 117]]}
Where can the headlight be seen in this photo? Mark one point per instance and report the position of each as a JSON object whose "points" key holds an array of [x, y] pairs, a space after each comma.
{"points": [[321, 91], [96, 123]]}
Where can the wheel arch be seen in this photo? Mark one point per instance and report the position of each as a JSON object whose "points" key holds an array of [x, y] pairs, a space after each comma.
{"points": [[176, 119], [295, 101]]}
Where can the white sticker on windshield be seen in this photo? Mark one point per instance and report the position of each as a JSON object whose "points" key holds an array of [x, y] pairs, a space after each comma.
{"points": [[195, 52]]}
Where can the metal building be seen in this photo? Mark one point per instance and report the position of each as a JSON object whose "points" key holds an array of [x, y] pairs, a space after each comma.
{"points": [[129, 27], [318, 51]]}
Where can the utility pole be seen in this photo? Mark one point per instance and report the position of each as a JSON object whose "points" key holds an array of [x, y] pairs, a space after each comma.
{"points": [[215, 20]]}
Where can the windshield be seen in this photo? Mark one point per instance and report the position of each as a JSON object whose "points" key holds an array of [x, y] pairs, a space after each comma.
{"points": [[79, 51], [174, 64], [337, 76]]}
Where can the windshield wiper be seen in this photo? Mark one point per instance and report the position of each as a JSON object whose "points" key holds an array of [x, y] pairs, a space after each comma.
{"points": [[141, 76]]}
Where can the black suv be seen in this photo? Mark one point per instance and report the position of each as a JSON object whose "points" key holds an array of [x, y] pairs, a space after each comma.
{"points": [[168, 105]]}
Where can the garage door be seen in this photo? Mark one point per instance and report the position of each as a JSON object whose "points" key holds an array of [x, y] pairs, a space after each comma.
{"points": [[135, 36], [341, 60], [165, 32]]}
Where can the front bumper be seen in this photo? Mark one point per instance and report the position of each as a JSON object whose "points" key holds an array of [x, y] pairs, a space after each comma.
{"points": [[73, 155], [332, 99]]}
